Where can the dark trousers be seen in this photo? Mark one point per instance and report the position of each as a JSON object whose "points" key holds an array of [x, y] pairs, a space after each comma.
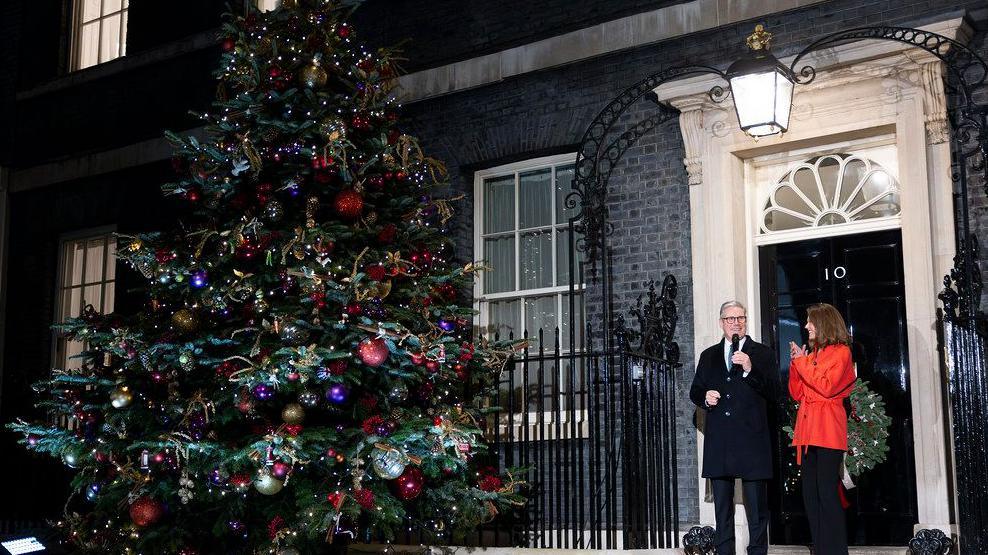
{"points": [[755, 507], [821, 467]]}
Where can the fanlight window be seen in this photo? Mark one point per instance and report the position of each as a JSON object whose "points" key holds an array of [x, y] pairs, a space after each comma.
{"points": [[831, 190]]}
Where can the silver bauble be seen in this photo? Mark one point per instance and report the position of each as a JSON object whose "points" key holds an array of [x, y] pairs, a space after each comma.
{"points": [[308, 399], [121, 396], [70, 458], [268, 484], [293, 334], [398, 393], [388, 464], [274, 211]]}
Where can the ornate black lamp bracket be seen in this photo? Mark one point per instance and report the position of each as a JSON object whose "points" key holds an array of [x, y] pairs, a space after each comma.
{"points": [[598, 156]]}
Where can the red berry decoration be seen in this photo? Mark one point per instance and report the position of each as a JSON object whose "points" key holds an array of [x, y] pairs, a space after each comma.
{"points": [[490, 483], [373, 352], [349, 204], [410, 483], [387, 234], [376, 272], [335, 499], [343, 31], [145, 511]]}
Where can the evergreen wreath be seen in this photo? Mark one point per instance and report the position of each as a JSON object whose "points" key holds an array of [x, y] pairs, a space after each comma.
{"points": [[867, 429]]}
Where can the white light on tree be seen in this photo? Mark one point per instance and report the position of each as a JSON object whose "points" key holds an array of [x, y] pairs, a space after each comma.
{"points": [[762, 88]]}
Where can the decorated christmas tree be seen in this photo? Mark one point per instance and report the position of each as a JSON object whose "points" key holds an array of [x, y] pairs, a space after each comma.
{"points": [[304, 367]]}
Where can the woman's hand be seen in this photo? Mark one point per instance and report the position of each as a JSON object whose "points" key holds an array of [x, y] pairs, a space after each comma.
{"points": [[796, 351]]}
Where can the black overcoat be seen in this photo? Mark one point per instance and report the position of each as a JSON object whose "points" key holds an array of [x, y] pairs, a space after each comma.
{"points": [[737, 441]]}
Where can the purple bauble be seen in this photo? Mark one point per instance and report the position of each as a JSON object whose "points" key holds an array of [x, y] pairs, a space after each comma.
{"points": [[263, 391], [199, 279], [337, 394], [446, 325]]}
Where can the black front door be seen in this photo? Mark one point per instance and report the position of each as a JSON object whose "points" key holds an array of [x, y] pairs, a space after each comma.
{"points": [[861, 275]]}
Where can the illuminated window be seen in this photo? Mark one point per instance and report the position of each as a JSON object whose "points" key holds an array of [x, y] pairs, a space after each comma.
{"points": [[99, 31]]}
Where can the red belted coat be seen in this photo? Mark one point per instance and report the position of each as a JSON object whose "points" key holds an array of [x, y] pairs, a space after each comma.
{"points": [[819, 382]]}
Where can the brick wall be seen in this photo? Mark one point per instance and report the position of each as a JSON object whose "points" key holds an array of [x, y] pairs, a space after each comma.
{"points": [[547, 112]]}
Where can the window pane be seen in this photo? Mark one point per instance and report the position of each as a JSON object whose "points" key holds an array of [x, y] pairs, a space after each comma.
{"points": [[267, 5], [110, 6], [108, 297], [72, 265], [111, 258], [504, 318], [89, 45], [564, 184], [110, 39], [566, 246], [535, 198], [540, 314], [536, 259], [71, 301], [90, 10], [123, 34], [499, 253], [93, 294], [72, 349], [828, 179], [499, 204], [94, 260]]}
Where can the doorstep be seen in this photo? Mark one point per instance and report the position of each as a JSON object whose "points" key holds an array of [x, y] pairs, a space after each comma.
{"points": [[420, 550]]}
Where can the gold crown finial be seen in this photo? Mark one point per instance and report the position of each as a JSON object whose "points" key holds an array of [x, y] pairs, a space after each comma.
{"points": [[760, 39]]}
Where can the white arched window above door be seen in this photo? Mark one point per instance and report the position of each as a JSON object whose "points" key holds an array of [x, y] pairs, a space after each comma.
{"points": [[833, 189]]}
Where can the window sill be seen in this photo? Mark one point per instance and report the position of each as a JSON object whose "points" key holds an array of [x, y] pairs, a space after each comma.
{"points": [[123, 64]]}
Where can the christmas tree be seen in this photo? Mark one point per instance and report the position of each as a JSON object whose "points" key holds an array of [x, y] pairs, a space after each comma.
{"points": [[304, 367]]}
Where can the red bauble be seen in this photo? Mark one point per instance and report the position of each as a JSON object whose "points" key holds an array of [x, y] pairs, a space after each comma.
{"points": [[343, 31], [354, 309], [409, 484], [373, 352], [376, 181], [349, 204], [417, 359], [293, 429], [432, 366], [274, 72], [229, 44], [366, 65], [146, 511], [337, 367]]}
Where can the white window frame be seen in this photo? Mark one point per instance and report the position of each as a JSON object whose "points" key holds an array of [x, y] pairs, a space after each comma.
{"points": [[481, 319], [481, 299], [76, 49], [59, 357]]}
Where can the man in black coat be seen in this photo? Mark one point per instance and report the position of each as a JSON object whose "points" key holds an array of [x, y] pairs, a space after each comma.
{"points": [[736, 384]]}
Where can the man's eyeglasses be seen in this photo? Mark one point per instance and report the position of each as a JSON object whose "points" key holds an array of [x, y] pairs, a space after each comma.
{"points": [[735, 319]]}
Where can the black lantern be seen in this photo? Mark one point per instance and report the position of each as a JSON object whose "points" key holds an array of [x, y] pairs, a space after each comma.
{"points": [[762, 88]]}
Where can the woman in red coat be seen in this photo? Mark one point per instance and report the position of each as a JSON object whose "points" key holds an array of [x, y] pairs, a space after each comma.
{"points": [[819, 380]]}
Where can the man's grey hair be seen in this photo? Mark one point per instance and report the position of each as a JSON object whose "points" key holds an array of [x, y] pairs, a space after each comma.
{"points": [[732, 304]]}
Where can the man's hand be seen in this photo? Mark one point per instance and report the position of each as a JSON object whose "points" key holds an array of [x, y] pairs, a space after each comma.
{"points": [[712, 398], [743, 359]]}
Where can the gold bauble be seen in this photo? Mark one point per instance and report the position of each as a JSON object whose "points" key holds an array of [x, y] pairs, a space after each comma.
{"points": [[185, 320], [121, 397], [293, 413], [135, 245], [333, 129], [268, 484], [313, 75]]}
